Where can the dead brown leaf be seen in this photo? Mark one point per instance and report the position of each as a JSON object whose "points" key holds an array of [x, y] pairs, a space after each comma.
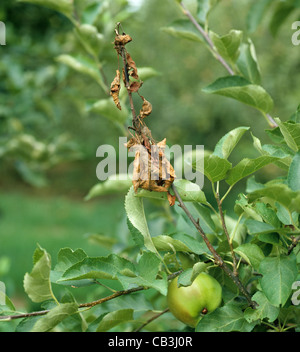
{"points": [[146, 108], [115, 89], [151, 169], [122, 39], [171, 199], [135, 86], [131, 67]]}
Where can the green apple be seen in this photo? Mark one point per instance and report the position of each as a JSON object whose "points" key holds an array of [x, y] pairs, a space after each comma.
{"points": [[187, 303]]}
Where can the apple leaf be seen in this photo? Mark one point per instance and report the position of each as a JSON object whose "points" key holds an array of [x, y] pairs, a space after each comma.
{"points": [[225, 319], [278, 275], [238, 88], [228, 142]]}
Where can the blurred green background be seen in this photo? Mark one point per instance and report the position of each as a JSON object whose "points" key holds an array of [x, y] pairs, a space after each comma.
{"points": [[48, 139]]}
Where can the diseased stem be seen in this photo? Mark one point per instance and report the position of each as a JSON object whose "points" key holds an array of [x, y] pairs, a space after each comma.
{"points": [[122, 52], [218, 259], [134, 117]]}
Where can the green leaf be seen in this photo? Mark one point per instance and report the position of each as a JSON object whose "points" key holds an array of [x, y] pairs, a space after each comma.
{"points": [[183, 29], [256, 13], [91, 12], [99, 268], [247, 63], [294, 173], [285, 216], [296, 115], [179, 243], [267, 214], [90, 38], [240, 89], [246, 167], [137, 237], [264, 310], [228, 45], [279, 273], [101, 240], [291, 133], [258, 227], [225, 319], [204, 8], [189, 191], [242, 206], [283, 152], [146, 73], [135, 212], [67, 257], [251, 253], [5, 303], [82, 65], [37, 284], [271, 238], [54, 317], [113, 185], [228, 142], [214, 167], [252, 185], [282, 11], [168, 243], [147, 269], [115, 318], [187, 277], [108, 109], [280, 193], [63, 6]]}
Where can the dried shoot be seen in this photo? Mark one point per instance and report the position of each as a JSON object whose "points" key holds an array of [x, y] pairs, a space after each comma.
{"points": [[151, 169]]}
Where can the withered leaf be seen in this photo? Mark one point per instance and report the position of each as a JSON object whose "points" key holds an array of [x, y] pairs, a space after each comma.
{"points": [[162, 144], [135, 86], [132, 142], [146, 108], [122, 39], [115, 89], [151, 169], [131, 67], [171, 199]]}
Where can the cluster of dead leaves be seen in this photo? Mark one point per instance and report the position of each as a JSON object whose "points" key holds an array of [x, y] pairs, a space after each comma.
{"points": [[133, 83], [152, 170]]}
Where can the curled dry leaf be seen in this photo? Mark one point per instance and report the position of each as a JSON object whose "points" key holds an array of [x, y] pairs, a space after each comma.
{"points": [[135, 86], [171, 199], [151, 169], [115, 89], [131, 67], [146, 108], [122, 39]]}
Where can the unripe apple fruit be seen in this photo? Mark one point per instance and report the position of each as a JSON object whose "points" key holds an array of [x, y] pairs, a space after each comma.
{"points": [[187, 303]]}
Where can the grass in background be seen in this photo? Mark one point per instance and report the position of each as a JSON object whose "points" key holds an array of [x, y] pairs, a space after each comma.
{"points": [[53, 223]]}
